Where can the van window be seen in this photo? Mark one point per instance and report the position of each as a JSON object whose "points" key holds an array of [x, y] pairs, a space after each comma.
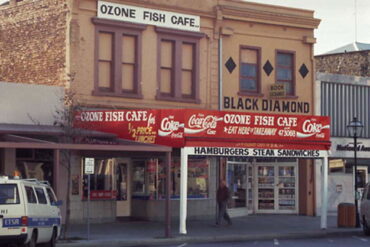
{"points": [[9, 194], [41, 195], [51, 196], [31, 198]]}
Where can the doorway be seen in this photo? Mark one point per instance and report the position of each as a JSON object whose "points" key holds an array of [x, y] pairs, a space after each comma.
{"points": [[277, 188], [239, 186], [123, 188]]}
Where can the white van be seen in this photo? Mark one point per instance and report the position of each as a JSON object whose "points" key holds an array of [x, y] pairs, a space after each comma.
{"points": [[29, 213]]}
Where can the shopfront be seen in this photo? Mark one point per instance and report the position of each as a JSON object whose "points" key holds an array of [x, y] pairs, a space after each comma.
{"points": [[259, 155]]}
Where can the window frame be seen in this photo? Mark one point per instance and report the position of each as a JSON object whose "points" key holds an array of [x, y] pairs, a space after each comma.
{"points": [[293, 81], [256, 92], [118, 29], [179, 38]]}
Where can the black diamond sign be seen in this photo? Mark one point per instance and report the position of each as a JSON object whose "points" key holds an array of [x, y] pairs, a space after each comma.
{"points": [[230, 65], [268, 68], [303, 70]]}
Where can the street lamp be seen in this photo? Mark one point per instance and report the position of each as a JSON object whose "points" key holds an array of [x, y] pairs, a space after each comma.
{"points": [[355, 128]]}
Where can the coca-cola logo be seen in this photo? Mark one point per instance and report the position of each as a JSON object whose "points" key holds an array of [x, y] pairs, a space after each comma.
{"points": [[199, 123], [169, 125], [311, 127]]}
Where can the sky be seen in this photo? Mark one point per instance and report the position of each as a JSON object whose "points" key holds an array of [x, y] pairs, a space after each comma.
{"points": [[337, 27]]}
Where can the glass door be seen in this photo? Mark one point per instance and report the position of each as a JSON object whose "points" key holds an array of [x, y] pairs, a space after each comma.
{"points": [[266, 188], [287, 188], [236, 180], [277, 188], [250, 187]]}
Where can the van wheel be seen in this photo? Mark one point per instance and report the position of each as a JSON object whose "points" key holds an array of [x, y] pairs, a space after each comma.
{"points": [[365, 228], [53, 240], [32, 242]]}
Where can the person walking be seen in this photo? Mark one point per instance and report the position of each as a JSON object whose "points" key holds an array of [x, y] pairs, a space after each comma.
{"points": [[222, 197]]}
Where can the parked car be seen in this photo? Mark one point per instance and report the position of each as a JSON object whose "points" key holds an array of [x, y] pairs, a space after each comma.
{"points": [[29, 213], [365, 210]]}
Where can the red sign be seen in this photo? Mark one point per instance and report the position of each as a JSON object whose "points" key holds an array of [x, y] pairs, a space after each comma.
{"points": [[176, 127]]}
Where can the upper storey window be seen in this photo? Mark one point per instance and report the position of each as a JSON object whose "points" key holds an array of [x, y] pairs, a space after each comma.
{"points": [[117, 58], [285, 71], [178, 65], [249, 70]]}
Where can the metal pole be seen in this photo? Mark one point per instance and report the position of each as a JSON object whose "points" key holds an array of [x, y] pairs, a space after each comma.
{"points": [[324, 191], [356, 201], [183, 190], [88, 207], [168, 196]]}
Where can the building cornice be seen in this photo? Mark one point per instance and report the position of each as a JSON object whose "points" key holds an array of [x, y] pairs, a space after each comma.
{"points": [[269, 15]]}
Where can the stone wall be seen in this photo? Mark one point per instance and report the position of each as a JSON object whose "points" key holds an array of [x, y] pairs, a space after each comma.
{"points": [[33, 42], [351, 63]]}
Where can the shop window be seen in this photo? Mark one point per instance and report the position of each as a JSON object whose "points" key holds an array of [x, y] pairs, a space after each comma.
{"points": [[178, 70], [249, 70], [149, 179], [101, 181], [35, 163], [117, 59], [285, 71], [109, 180]]}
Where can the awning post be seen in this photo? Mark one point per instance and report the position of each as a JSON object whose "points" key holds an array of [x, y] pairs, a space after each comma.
{"points": [[168, 195], [183, 190], [324, 193], [56, 171]]}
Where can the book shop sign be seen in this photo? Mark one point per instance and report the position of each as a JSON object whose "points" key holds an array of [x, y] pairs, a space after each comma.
{"points": [[133, 14]]}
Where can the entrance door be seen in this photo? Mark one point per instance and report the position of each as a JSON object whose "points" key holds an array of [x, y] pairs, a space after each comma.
{"points": [[277, 188], [236, 179], [122, 171]]}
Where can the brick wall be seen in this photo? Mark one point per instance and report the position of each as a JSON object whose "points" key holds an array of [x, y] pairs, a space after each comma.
{"points": [[352, 63], [33, 42]]}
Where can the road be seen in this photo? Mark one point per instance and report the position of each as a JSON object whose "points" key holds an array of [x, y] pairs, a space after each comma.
{"points": [[346, 241]]}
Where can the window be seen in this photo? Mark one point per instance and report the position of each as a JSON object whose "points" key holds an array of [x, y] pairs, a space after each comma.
{"points": [[31, 197], [117, 58], [51, 195], [149, 178], [41, 195], [178, 70], [9, 194], [249, 70], [285, 71]]}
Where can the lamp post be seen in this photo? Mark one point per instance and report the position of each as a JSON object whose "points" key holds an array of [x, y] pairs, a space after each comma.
{"points": [[355, 128]]}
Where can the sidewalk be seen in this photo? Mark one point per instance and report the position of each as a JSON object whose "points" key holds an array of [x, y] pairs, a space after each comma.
{"points": [[254, 227]]}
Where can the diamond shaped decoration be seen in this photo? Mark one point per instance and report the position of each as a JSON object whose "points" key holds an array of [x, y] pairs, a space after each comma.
{"points": [[230, 65], [303, 70], [268, 68]]}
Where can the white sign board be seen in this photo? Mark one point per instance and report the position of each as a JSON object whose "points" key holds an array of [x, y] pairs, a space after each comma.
{"points": [[120, 12], [256, 152], [89, 165]]}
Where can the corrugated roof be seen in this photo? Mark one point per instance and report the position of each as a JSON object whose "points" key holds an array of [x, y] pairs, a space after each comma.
{"points": [[356, 46]]}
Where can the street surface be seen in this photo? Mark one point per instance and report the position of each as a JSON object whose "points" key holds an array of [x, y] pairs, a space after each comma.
{"points": [[347, 241]]}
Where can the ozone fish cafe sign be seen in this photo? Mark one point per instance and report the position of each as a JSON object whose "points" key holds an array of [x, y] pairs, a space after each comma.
{"points": [[228, 133], [133, 14]]}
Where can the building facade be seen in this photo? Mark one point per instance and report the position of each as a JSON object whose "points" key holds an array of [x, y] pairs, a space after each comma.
{"points": [[227, 55], [343, 88]]}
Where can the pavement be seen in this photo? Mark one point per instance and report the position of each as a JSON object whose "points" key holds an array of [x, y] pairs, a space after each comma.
{"points": [[252, 227]]}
